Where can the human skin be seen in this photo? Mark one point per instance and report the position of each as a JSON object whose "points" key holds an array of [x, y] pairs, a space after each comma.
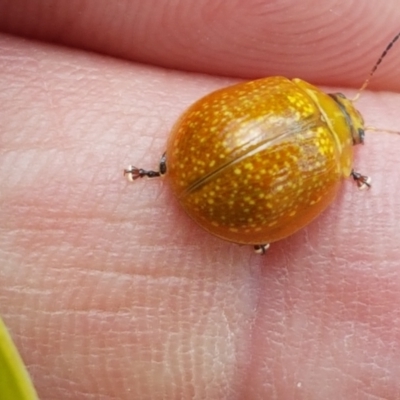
{"points": [[109, 290]]}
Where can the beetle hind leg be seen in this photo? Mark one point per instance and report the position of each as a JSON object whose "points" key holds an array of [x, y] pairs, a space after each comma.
{"points": [[132, 173], [261, 248]]}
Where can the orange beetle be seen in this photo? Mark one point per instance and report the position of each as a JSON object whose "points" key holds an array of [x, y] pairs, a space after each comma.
{"points": [[255, 162]]}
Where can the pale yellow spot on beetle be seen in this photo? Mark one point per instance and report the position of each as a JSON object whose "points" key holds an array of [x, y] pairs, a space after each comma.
{"points": [[315, 201]]}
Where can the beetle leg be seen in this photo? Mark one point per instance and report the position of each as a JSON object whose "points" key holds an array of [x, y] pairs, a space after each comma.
{"points": [[261, 248], [132, 173], [363, 182]]}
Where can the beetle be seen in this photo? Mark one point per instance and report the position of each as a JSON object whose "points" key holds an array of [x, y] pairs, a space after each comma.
{"points": [[255, 162]]}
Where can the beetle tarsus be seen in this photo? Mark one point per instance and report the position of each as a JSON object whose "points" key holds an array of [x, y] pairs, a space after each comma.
{"points": [[132, 173], [261, 248], [363, 182]]}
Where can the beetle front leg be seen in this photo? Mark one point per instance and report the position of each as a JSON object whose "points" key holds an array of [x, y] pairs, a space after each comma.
{"points": [[362, 181]]}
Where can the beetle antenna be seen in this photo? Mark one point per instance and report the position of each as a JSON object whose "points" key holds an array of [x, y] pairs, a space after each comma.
{"points": [[375, 67], [372, 128]]}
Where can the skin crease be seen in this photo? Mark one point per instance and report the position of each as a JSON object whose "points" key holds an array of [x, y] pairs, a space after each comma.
{"points": [[109, 290]]}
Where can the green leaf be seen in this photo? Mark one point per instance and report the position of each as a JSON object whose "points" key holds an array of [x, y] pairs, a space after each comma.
{"points": [[15, 383]]}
